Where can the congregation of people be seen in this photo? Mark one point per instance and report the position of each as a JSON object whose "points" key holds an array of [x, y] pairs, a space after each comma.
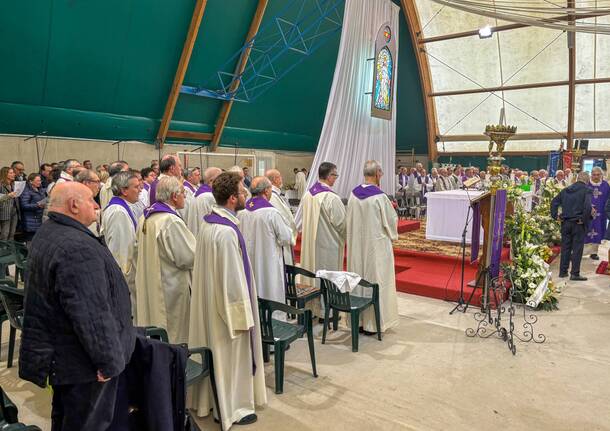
{"points": [[192, 252]]}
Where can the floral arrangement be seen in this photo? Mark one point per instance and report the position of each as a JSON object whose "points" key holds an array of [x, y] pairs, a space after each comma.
{"points": [[530, 234]]}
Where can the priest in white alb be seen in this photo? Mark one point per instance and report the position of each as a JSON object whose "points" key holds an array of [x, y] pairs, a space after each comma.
{"points": [[371, 227], [192, 178], [119, 226], [280, 203], [106, 189], [323, 234], [204, 199], [166, 253], [266, 233], [300, 183], [224, 311]]}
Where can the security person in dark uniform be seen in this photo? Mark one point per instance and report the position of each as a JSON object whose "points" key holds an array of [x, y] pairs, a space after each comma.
{"points": [[575, 203]]}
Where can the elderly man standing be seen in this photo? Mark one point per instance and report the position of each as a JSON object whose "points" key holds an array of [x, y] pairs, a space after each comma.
{"points": [[204, 199], [119, 226], [266, 233], [575, 203], [106, 191], [323, 238], [67, 171], [443, 182], [166, 253], [371, 227], [192, 178], [300, 183], [597, 229], [280, 203], [77, 332], [224, 312], [90, 179]]}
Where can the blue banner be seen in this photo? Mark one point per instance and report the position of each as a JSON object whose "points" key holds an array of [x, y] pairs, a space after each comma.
{"points": [[498, 232], [554, 158]]}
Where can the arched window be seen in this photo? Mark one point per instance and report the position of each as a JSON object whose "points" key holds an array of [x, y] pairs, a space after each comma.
{"points": [[383, 81]]}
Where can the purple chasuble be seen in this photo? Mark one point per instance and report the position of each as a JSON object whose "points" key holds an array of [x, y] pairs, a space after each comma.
{"points": [[153, 192], [214, 218], [362, 192], [189, 186], [257, 203], [597, 227], [120, 202], [159, 207], [318, 187], [204, 188]]}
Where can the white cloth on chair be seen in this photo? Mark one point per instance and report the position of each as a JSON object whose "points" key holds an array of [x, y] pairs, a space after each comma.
{"points": [[345, 281]]}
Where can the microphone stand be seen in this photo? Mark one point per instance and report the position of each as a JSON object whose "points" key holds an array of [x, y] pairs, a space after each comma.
{"points": [[461, 301]]}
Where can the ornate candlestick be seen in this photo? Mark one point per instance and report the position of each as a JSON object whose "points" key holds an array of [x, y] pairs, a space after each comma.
{"points": [[498, 134]]}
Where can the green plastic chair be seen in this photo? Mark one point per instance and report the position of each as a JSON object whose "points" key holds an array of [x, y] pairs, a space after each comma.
{"points": [[281, 334], [7, 257], [12, 301], [195, 371], [298, 295], [354, 305]]}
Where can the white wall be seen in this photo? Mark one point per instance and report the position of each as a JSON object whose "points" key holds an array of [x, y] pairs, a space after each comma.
{"points": [[137, 154]]}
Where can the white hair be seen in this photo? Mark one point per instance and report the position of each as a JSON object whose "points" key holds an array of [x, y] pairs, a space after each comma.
{"points": [[166, 187], [261, 185], [597, 169], [121, 181], [371, 167], [583, 177]]}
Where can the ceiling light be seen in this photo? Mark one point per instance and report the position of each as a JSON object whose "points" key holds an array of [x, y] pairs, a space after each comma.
{"points": [[485, 32]]}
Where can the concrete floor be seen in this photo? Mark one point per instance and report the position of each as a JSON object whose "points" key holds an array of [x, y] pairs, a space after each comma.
{"points": [[427, 375]]}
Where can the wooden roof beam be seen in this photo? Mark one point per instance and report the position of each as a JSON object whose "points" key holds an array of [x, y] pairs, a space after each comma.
{"points": [[223, 116], [185, 57]]}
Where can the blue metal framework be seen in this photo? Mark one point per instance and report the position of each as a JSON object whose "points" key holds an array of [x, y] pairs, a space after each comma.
{"points": [[287, 39]]}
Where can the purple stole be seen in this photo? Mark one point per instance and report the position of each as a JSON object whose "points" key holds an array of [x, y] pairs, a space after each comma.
{"points": [[362, 192], [189, 186], [403, 180], [318, 187], [121, 202], [153, 192], [257, 203], [214, 218], [159, 207], [204, 188], [146, 186]]}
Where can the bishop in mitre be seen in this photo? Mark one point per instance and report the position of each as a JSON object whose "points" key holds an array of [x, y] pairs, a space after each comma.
{"points": [[323, 235], [371, 227], [204, 199], [224, 311], [266, 233], [280, 203], [119, 227], [166, 253]]}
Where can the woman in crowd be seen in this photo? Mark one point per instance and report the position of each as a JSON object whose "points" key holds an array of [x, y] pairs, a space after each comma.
{"points": [[8, 204], [32, 202]]}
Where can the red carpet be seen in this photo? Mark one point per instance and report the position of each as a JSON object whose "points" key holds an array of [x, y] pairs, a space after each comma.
{"points": [[407, 226]]}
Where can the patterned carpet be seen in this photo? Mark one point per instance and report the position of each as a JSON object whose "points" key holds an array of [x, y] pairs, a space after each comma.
{"points": [[417, 241]]}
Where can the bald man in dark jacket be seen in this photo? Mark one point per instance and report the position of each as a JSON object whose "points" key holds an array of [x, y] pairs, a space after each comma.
{"points": [[77, 330]]}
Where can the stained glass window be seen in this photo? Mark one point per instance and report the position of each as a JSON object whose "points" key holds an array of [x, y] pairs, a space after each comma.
{"points": [[383, 81]]}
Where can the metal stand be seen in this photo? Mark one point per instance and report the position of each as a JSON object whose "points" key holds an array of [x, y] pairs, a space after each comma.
{"points": [[489, 320], [462, 304]]}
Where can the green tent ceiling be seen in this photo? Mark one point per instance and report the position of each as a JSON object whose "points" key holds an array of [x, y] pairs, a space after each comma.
{"points": [[103, 70]]}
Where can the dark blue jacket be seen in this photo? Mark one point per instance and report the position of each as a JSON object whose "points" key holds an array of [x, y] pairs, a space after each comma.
{"points": [[575, 203], [77, 309], [31, 213]]}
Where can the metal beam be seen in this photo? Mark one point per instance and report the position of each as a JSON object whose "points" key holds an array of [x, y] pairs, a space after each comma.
{"points": [[198, 136], [223, 117], [410, 12], [500, 28], [601, 134], [520, 87], [185, 57]]}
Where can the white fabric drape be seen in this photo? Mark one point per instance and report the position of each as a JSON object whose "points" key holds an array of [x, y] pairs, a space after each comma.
{"points": [[350, 136]]}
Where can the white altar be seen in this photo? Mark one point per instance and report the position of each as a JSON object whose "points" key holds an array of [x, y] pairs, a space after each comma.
{"points": [[446, 215]]}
